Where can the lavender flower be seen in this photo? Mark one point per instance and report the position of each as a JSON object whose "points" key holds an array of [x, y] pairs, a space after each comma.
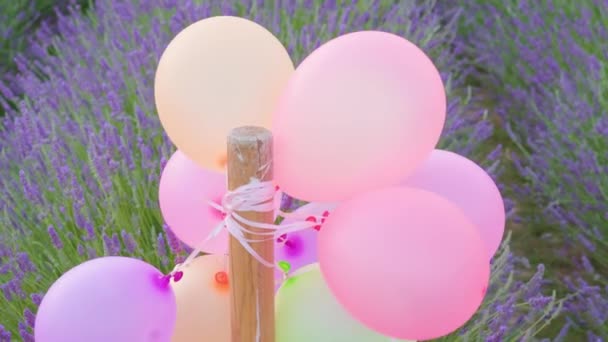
{"points": [[6, 291], [174, 244], [563, 332], [55, 237], [24, 332], [25, 263], [5, 335], [36, 298], [30, 318], [109, 246], [128, 241]]}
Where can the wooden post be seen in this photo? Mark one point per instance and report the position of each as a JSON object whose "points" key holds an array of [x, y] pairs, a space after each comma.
{"points": [[251, 283]]}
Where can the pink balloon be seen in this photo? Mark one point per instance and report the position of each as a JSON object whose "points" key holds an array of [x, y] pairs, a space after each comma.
{"points": [[108, 299], [300, 248], [467, 185], [360, 113], [184, 191], [405, 262]]}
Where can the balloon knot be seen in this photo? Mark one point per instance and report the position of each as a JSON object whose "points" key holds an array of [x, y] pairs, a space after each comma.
{"points": [[175, 275], [284, 266], [282, 238]]}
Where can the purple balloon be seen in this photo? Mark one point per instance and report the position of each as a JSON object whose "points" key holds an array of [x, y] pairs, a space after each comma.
{"points": [[466, 184], [297, 248], [106, 299]]}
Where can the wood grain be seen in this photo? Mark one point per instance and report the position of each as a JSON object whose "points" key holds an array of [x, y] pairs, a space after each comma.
{"points": [[251, 283]]}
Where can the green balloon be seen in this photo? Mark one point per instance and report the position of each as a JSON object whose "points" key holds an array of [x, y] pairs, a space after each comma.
{"points": [[306, 311]]}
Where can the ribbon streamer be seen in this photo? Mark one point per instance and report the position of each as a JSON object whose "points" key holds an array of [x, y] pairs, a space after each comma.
{"points": [[255, 196]]}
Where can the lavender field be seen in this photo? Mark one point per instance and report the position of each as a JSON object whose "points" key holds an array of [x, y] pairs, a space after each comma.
{"points": [[81, 146]]}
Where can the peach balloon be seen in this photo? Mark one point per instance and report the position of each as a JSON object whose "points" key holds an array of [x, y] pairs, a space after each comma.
{"points": [[203, 301], [405, 262], [361, 112], [218, 74]]}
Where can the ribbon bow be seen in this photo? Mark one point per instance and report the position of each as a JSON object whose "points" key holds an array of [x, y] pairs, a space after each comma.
{"points": [[259, 197]]}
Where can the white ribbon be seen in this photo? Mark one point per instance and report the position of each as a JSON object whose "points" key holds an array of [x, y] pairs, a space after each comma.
{"points": [[258, 197]]}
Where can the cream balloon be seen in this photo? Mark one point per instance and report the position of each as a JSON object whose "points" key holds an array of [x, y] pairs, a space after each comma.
{"points": [[215, 75], [203, 301]]}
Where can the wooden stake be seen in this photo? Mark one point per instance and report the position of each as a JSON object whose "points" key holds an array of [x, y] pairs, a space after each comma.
{"points": [[251, 283]]}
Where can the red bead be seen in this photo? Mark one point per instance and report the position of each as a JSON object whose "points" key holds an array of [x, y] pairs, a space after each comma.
{"points": [[221, 277]]}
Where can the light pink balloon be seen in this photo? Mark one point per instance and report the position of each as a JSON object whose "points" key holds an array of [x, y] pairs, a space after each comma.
{"points": [[467, 185], [360, 113], [405, 262], [184, 192], [300, 248]]}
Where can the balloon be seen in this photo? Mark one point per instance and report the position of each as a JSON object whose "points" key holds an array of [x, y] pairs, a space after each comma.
{"points": [[203, 301], [215, 75], [467, 185], [278, 200], [360, 113], [299, 248], [306, 311], [406, 262], [115, 299], [184, 192]]}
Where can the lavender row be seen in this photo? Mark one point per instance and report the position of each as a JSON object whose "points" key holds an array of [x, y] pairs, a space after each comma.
{"points": [[545, 62]]}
